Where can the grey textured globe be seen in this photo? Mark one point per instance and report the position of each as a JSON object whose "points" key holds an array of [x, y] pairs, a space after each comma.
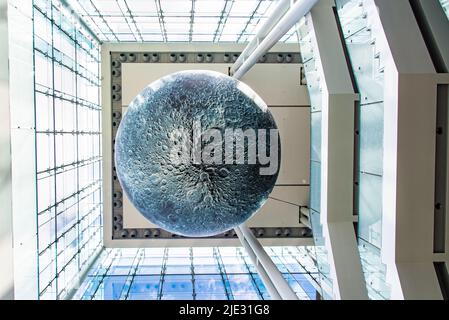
{"points": [[197, 153]]}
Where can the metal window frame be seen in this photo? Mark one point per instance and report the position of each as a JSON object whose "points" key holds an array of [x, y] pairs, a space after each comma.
{"points": [[84, 246]]}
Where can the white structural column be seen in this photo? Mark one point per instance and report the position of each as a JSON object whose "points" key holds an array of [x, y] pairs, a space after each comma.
{"points": [[6, 239], [271, 276], [410, 115], [337, 154], [274, 294]]}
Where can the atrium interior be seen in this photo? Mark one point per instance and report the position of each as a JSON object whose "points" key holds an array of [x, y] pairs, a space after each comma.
{"points": [[359, 90]]}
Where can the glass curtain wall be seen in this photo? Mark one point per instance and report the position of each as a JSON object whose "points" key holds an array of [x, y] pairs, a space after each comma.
{"points": [[68, 147], [360, 31], [193, 273]]}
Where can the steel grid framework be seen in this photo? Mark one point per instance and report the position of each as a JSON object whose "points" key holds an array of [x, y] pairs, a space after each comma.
{"points": [[176, 20], [68, 148], [194, 273]]}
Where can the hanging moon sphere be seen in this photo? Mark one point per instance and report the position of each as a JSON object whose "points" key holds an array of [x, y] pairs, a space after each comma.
{"points": [[197, 153]]}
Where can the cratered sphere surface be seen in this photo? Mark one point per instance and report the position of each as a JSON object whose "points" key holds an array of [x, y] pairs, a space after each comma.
{"points": [[167, 138]]}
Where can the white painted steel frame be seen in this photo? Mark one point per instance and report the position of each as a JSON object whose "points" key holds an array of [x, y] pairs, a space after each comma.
{"points": [[296, 12]]}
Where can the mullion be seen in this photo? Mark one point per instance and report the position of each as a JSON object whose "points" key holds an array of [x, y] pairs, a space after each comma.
{"points": [[54, 143], [88, 161], [163, 268], [104, 20], [61, 96], [53, 242], [132, 273], [126, 19], [103, 276], [223, 18], [224, 276], [93, 21], [249, 20], [137, 261], [133, 20], [253, 280], [192, 273], [68, 67]]}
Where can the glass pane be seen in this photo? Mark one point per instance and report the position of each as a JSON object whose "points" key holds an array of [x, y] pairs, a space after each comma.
{"points": [[171, 19], [66, 63]]}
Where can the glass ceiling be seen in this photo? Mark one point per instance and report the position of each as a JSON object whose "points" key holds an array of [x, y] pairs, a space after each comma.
{"points": [[225, 273], [176, 20]]}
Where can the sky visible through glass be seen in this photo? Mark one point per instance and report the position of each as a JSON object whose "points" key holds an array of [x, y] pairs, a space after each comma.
{"points": [[224, 273]]}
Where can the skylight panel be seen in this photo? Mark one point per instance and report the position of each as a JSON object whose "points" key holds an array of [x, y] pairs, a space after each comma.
{"points": [[234, 26], [202, 37], [177, 24], [126, 37], [83, 7], [142, 7], [204, 28], [107, 7], [118, 24], [229, 37], [244, 8], [152, 27], [205, 25], [176, 7], [209, 7], [140, 20]]}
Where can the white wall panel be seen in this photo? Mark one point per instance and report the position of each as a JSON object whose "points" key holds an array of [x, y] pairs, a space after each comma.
{"points": [[23, 150]]}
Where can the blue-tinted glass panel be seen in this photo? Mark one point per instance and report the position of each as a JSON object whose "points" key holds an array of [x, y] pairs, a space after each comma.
{"points": [[110, 288], [68, 152], [148, 286]]}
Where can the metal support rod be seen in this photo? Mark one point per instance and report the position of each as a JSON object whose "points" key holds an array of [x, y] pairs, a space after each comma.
{"points": [[274, 18], [274, 294], [296, 12], [264, 261]]}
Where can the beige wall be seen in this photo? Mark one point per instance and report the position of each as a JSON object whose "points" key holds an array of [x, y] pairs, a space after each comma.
{"points": [[277, 84]]}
